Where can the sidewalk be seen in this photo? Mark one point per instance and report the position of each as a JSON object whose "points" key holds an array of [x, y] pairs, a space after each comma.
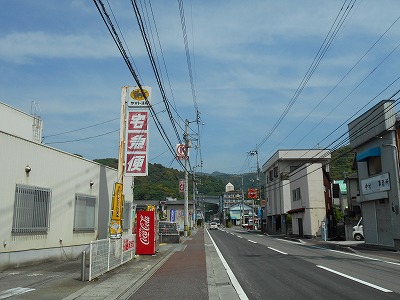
{"points": [[192, 266]]}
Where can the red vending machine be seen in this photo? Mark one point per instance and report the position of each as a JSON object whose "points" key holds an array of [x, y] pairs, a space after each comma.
{"points": [[146, 232]]}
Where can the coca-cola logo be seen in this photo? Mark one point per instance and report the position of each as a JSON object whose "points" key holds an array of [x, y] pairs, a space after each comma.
{"points": [[144, 230]]}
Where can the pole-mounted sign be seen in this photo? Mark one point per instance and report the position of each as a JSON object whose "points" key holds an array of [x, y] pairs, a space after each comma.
{"points": [[136, 138]]}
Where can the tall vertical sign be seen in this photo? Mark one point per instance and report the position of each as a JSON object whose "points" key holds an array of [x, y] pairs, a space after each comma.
{"points": [[146, 232], [137, 137]]}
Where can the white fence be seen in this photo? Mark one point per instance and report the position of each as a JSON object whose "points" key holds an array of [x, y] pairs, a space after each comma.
{"points": [[108, 254]]}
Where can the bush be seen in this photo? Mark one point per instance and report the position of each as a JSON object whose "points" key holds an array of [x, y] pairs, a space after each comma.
{"points": [[338, 215]]}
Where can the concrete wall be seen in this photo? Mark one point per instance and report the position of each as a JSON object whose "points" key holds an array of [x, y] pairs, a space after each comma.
{"points": [[65, 175], [310, 182], [377, 129], [18, 123]]}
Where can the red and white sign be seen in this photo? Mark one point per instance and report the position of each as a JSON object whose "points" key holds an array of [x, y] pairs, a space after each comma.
{"points": [[146, 232], [129, 243], [181, 151], [181, 185], [136, 141], [252, 193]]}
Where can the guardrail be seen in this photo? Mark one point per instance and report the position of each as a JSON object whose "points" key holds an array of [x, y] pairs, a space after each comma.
{"points": [[108, 254]]}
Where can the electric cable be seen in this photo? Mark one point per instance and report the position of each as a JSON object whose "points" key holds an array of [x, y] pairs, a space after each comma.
{"points": [[317, 59], [112, 31], [337, 84]]}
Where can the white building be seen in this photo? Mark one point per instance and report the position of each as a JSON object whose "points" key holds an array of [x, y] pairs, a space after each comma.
{"points": [[308, 203], [52, 203], [277, 171]]}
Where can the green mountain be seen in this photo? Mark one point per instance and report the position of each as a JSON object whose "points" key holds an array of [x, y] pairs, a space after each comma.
{"points": [[341, 163], [163, 182]]}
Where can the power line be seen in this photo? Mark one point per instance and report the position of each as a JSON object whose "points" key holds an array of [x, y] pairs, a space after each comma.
{"points": [[83, 139], [357, 133], [331, 35], [337, 84], [107, 21]]}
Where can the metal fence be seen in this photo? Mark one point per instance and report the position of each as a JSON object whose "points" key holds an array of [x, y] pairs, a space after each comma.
{"points": [[108, 254]]}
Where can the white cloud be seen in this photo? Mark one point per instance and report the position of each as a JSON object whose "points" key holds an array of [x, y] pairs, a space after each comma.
{"points": [[25, 47]]}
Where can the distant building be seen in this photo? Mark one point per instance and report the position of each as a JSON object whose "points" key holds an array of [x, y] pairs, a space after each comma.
{"points": [[340, 195], [353, 196], [240, 212]]}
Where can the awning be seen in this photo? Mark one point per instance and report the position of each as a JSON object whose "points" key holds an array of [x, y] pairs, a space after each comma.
{"points": [[363, 156], [296, 210]]}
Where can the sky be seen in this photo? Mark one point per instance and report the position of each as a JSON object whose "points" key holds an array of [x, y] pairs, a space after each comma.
{"points": [[252, 74]]}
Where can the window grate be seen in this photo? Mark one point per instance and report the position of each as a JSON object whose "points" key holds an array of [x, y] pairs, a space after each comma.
{"points": [[31, 209], [85, 212]]}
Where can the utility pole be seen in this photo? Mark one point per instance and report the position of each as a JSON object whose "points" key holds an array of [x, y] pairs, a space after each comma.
{"points": [[241, 207], [255, 152], [186, 203], [194, 198]]}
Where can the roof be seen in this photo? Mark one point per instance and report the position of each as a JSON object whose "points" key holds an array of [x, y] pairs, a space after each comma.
{"points": [[296, 210]]}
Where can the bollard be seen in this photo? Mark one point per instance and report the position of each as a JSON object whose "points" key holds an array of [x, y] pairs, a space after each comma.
{"points": [[83, 266]]}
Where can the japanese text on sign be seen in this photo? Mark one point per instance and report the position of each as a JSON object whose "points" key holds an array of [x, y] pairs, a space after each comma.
{"points": [[376, 184]]}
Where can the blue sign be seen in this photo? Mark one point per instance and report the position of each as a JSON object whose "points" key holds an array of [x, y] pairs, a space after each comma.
{"points": [[172, 215]]}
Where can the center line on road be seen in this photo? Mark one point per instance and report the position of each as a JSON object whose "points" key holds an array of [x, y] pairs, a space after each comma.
{"points": [[356, 279], [277, 250], [252, 242]]}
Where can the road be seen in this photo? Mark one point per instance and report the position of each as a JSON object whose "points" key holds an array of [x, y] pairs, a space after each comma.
{"points": [[272, 268]]}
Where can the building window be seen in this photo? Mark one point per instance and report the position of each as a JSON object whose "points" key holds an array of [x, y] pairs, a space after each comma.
{"points": [[374, 165], [296, 194], [126, 215], [271, 174], [276, 172], [293, 168], [31, 209], [85, 212]]}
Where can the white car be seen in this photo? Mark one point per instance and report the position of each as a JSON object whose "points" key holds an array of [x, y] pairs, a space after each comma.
{"points": [[213, 225], [358, 231]]}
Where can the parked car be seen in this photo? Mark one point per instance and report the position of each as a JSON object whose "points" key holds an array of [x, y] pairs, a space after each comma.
{"points": [[358, 231], [213, 225]]}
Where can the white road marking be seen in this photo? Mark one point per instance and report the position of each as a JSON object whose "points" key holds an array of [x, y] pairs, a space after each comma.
{"points": [[366, 257], [252, 242], [242, 295], [34, 274], [277, 250], [15, 291], [292, 242], [356, 279]]}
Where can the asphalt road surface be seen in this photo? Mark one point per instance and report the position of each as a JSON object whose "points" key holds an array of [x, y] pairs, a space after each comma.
{"points": [[271, 268]]}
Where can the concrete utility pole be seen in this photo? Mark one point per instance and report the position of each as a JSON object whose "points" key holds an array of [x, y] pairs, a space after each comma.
{"points": [[186, 204], [255, 152], [241, 207]]}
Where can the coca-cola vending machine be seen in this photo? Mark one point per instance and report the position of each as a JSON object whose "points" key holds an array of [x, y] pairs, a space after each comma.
{"points": [[146, 232]]}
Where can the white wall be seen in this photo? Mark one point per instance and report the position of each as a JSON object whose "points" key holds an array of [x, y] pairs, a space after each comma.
{"points": [[17, 122], [310, 182], [65, 174]]}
